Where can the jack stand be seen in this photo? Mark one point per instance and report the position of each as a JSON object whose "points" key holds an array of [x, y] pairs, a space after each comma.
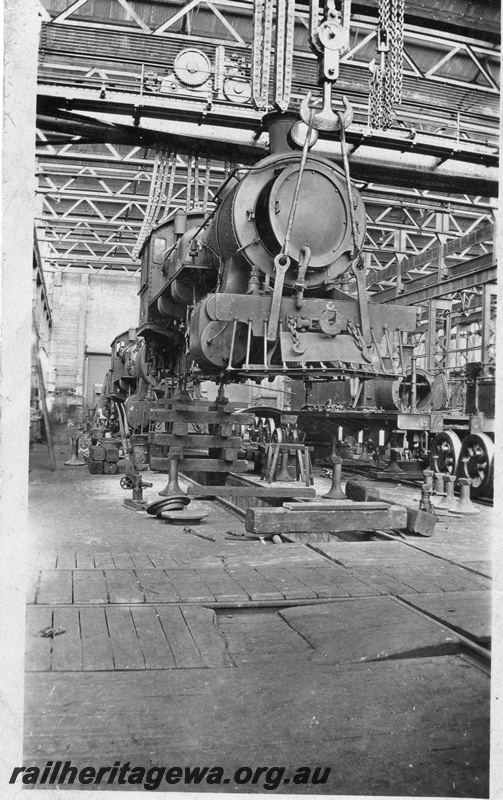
{"points": [[464, 504], [137, 503], [449, 502], [425, 502], [172, 487], [75, 460], [284, 475], [336, 492], [438, 487], [393, 463], [428, 477]]}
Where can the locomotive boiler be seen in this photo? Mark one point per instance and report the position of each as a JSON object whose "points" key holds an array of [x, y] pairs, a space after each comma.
{"points": [[259, 287]]}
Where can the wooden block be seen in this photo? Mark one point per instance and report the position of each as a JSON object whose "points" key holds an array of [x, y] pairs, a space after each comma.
{"points": [[201, 417], [336, 505], [179, 429], [251, 491], [112, 455], [199, 465], [96, 467], [109, 468], [262, 520], [195, 440], [357, 491], [420, 522], [225, 430], [229, 454], [97, 452]]}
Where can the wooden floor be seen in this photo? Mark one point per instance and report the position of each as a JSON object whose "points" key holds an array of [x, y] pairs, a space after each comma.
{"points": [[148, 644]]}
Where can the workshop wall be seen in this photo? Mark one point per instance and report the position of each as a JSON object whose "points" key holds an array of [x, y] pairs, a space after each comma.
{"points": [[88, 312]]}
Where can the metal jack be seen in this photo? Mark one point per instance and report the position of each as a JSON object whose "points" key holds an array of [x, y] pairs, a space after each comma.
{"points": [[283, 474], [172, 487], [75, 460], [336, 492], [465, 505]]}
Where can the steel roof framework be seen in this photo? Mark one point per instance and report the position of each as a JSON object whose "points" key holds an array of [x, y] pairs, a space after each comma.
{"points": [[95, 193]]}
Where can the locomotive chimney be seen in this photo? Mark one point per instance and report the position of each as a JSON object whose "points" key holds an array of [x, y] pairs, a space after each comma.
{"points": [[279, 127]]}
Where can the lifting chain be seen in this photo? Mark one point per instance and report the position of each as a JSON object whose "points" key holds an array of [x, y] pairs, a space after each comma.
{"points": [[297, 345], [157, 187], [265, 13], [386, 80]]}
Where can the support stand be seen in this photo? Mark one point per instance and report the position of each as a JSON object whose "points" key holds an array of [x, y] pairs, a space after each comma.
{"points": [[336, 492], [75, 460]]}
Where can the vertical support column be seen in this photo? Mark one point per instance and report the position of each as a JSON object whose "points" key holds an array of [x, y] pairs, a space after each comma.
{"points": [[21, 29], [431, 335]]}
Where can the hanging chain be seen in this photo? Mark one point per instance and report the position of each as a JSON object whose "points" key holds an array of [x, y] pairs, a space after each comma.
{"points": [[157, 186], [386, 81]]}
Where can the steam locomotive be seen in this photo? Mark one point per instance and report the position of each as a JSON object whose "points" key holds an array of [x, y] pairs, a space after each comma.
{"points": [[258, 288]]}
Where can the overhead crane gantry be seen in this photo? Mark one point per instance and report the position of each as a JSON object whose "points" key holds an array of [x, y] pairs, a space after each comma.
{"points": [[98, 77]]}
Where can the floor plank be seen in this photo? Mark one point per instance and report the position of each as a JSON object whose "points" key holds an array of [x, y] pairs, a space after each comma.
{"points": [[255, 584], [123, 586], [156, 586], [56, 586], [38, 648], [179, 637], [89, 586], [203, 627], [347, 581], [141, 561], [66, 560], [221, 584], [290, 586], [103, 560], [122, 561], [67, 647], [317, 582], [32, 582], [84, 559], [189, 585], [156, 649], [96, 643], [126, 648], [383, 632], [469, 613]]}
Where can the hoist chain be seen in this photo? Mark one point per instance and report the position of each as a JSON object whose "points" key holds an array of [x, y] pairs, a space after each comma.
{"points": [[157, 185], [386, 81]]}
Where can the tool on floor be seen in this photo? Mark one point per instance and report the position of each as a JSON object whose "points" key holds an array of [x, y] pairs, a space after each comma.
{"points": [[201, 535]]}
